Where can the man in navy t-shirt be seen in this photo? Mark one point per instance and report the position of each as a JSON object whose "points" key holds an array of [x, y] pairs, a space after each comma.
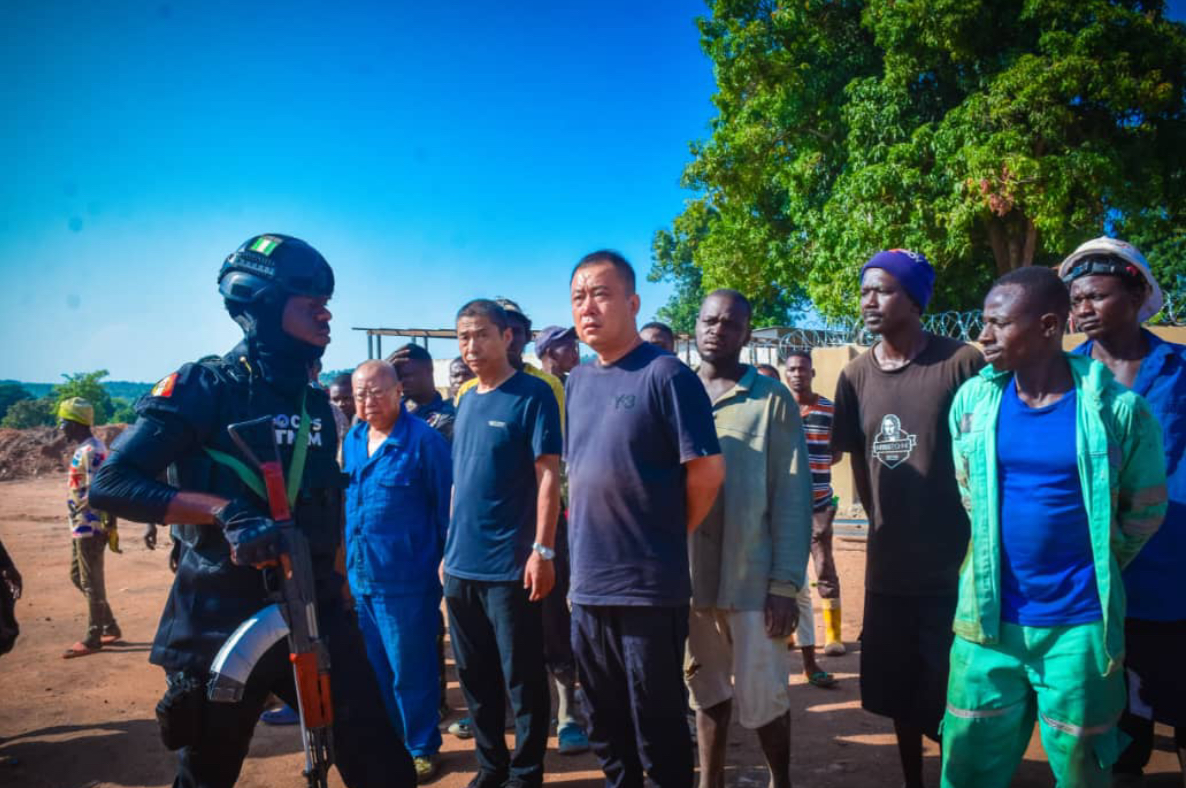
{"points": [[644, 467], [499, 549]]}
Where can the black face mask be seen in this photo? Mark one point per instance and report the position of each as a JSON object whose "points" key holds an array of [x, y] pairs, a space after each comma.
{"points": [[283, 360]]}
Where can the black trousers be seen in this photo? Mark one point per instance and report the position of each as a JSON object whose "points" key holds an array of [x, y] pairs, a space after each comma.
{"points": [[367, 750], [498, 645], [1155, 652], [630, 662], [905, 658]]}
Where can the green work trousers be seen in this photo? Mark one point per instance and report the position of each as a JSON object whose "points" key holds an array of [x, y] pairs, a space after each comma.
{"points": [[996, 691], [86, 572]]}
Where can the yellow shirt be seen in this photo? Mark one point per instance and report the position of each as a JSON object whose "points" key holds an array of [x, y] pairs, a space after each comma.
{"points": [[552, 381]]}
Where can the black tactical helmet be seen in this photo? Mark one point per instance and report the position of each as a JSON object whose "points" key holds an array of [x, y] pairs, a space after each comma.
{"points": [[272, 267]]}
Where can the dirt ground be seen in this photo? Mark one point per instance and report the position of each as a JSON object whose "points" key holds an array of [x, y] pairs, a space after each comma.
{"points": [[42, 451], [89, 722]]}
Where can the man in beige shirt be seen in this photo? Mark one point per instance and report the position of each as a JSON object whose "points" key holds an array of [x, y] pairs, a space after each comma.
{"points": [[749, 557]]}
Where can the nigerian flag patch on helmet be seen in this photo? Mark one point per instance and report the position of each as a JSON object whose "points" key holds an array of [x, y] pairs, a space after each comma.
{"points": [[265, 244]]}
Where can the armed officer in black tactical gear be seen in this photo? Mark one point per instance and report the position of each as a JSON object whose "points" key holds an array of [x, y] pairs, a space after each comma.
{"points": [[276, 287]]}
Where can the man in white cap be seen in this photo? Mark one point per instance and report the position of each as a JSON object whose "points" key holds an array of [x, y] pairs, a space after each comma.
{"points": [[1112, 293]]}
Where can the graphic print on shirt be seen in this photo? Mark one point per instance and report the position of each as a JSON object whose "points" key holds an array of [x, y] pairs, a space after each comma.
{"points": [[287, 427], [84, 521], [893, 445]]}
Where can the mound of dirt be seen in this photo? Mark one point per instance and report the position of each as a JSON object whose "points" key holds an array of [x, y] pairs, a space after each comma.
{"points": [[33, 452]]}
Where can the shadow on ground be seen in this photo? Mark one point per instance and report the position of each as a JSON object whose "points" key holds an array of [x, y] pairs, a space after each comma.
{"points": [[62, 756]]}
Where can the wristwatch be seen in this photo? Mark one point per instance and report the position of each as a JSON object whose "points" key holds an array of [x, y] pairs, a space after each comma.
{"points": [[545, 553]]}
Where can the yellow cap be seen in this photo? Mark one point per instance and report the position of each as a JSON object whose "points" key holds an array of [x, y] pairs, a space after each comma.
{"points": [[77, 409]]}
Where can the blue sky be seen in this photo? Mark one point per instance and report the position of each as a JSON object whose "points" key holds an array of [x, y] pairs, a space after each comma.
{"points": [[432, 154]]}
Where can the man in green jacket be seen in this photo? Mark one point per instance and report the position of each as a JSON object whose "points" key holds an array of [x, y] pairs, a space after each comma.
{"points": [[1062, 473]]}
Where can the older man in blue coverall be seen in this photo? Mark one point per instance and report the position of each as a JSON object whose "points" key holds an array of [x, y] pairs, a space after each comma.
{"points": [[397, 512]]}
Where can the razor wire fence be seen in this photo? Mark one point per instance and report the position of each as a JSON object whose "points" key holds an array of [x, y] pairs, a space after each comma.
{"points": [[965, 326]]}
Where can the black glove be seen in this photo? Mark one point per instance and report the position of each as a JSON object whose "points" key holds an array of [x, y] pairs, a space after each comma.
{"points": [[254, 537]]}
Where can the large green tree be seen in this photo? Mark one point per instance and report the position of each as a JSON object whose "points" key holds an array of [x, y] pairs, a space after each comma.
{"points": [[673, 255], [88, 386], [989, 134]]}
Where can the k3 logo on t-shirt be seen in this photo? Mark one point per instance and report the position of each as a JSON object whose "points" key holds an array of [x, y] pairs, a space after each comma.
{"points": [[893, 445], [624, 402]]}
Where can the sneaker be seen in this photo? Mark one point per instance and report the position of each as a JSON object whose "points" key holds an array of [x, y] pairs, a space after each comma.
{"points": [[462, 729], [282, 715], [426, 767], [835, 649], [572, 739]]}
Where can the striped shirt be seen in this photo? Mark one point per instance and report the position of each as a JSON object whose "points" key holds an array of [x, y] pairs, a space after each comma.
{"points": [[817, 426]]}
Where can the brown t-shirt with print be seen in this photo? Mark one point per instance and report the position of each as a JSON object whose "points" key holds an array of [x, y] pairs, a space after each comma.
{"points": [[896, 421]]}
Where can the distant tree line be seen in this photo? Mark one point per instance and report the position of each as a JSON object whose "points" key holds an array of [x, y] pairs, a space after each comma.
{"points": [[26, 405], [21, 409]]}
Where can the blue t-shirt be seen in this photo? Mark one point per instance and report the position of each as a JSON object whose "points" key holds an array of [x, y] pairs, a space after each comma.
{"points": [[1047, 564], [1154, 582], [631, 426], [497, 438]]}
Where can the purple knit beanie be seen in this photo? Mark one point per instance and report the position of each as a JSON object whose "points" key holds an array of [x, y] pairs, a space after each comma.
{"points": [[911, 269]]}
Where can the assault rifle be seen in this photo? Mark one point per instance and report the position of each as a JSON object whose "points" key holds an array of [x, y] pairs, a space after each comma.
{"points": [[292, 615]]}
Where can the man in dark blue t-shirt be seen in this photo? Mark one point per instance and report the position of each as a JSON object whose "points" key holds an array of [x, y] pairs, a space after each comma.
{"points": [[499, 550], [644, 467]]}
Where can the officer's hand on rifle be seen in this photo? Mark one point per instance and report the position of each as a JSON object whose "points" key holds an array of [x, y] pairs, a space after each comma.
{"points": [[254, 537]]}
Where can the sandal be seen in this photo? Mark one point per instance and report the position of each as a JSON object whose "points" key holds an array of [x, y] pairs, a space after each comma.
{"points": [[822, 679], [81, 649]]}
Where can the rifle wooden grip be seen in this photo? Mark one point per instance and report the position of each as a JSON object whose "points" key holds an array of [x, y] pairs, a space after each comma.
{"points": [[313, 689]]}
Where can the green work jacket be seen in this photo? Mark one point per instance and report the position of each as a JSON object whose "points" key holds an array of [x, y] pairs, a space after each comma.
{"points": [[1122, 472]]}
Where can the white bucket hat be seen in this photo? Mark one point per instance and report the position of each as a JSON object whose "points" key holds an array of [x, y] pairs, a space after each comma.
{"points": [[1121, 251]]}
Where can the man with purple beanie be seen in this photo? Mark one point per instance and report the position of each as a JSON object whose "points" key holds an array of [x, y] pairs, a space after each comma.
{"points": [[891, 416]]}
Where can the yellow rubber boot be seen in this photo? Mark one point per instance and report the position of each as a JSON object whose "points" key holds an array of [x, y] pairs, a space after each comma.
{"points": [[833, 642]]}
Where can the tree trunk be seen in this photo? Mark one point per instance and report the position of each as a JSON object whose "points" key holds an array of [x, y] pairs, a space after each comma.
{"points": [[1014, 240]]}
